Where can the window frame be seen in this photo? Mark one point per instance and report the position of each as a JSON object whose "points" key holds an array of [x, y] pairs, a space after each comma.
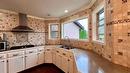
{"points": [[99, 26], [49, 33], [80, 18]]}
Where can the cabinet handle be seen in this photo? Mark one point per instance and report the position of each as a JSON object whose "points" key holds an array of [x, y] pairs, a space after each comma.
{"points": [[64, 54], [1, 56], [40, 50], [48, 49], [57, 51], [2, 61], [15, 54], [31, 52], [22, 57]]}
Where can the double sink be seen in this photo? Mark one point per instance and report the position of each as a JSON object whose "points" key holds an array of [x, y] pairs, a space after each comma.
{"points": [[66, 47]]}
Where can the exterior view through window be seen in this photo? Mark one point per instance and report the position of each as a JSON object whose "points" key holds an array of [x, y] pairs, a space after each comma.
{"points": [[100, 25], [76, 30]]}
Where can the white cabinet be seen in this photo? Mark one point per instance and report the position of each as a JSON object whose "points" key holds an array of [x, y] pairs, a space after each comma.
{"points": [[65, 64], [48, 56], [16, 62], [40, 55], [54, 56], [3, 66], [58, 59], [31, 58]]}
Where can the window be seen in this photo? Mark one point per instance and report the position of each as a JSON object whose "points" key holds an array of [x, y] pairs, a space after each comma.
{"points": [[100, 25], [53, 28], [77, 29]]}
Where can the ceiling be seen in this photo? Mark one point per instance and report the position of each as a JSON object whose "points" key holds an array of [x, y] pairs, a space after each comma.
{"points": [[44, 8]]}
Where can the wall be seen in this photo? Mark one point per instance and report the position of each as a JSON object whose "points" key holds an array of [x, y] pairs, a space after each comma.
{"points": [[9, 20], [116, 47]]}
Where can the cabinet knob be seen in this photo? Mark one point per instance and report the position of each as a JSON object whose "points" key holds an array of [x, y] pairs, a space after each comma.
{"points": [[68, 60], [31, 52], [64, 54], [15, 54], [2, 61], [1, 56]]}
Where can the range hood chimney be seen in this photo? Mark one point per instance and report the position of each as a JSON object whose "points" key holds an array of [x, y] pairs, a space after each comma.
{"points": [[22, 27]]}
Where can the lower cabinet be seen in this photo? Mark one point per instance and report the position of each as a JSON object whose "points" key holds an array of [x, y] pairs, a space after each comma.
{"points": [[65, 64], [20, 60], [16, 64], [48, 56], [58, 60], [71, 66], [3, 66], [31, 60], [41, 57]]}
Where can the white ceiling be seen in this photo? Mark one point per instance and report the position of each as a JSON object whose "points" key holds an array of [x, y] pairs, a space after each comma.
{"points": [[41, 8]]}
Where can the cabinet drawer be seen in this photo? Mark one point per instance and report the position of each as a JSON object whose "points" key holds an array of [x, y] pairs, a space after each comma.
{"points": [[15, 54], [2, 56], [31, 51]]}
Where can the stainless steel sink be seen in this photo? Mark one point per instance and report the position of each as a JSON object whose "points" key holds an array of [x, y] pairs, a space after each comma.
{"points": [[66, 47]]}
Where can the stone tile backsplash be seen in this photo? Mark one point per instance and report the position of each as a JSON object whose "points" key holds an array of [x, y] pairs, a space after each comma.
{"points": [[10, 20]]}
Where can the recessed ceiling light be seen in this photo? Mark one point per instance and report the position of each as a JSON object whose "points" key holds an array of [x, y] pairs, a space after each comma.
{"points": [[66, 11]]}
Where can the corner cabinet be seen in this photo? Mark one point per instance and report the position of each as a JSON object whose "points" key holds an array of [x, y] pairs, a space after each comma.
{"points": [[48, 55], [41, 55]]}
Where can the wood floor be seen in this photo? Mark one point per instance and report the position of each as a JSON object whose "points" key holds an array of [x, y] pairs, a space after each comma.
{"points": [[45, 68]]}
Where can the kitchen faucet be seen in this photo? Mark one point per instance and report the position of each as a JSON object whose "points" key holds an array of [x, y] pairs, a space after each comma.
{"points": [[68, 42]]}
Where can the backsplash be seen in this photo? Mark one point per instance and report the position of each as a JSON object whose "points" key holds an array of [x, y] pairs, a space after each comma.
{"points": [[10, 20]]}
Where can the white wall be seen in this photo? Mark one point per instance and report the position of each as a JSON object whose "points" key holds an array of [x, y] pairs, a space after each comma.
{"points": [[70, 30]]}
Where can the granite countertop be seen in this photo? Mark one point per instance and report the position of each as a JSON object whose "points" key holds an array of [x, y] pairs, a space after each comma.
{"points": [[89, 62]]}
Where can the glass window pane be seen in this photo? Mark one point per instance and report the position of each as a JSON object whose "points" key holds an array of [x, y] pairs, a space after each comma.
{"points": [[76, 30], [101, 22], [101, 37], [101, 30], [54, 27], [54, 34], [101, 25], [101, 16]]}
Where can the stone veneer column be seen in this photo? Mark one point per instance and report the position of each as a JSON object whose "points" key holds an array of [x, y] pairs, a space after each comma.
{"points": [[118, 30]]}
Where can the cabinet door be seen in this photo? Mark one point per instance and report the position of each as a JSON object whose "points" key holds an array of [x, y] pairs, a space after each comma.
{"points": [[71, 66], [48, 56], [31, 60], [3, 66], [64, 64], [58, 60], [16, 64], [41, 57], [54, 57]]}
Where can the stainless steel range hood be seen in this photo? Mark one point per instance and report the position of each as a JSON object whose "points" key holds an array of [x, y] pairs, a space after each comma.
{"points": [[23, 26]]}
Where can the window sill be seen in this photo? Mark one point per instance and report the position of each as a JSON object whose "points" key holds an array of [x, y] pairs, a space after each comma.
{"points": [[99, 42], [87, 40]]}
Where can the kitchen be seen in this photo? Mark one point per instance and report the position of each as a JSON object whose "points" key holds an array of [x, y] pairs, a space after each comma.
{"points": [[65, 36]]}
